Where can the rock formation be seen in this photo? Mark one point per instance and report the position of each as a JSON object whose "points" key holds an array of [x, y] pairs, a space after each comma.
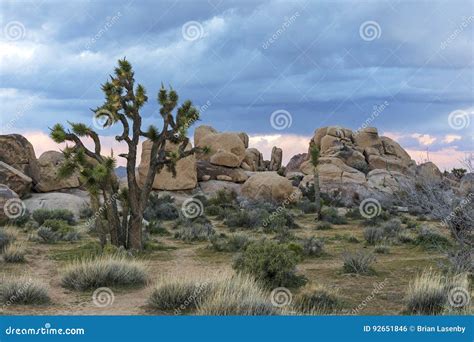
{"points": [[17, 151], [269, 186], [49, 163]]}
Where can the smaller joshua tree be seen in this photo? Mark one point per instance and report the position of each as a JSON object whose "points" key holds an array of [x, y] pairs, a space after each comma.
{"points": [[314, 155], [123, 102]]}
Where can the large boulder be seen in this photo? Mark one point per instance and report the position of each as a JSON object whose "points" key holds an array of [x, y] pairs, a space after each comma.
{"points": [[210, 188], [269, 186], [253, 160], [17, 151], [58, 200], [294, 165], [428, 172], [49, 163], [14, 179], [10, 204], [276, 159], [186, 173], [225, 149], [368, 138], [466, 185], [207, 171]]}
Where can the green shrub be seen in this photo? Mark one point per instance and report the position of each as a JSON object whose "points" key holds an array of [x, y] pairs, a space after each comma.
{"points": [[85, 212], [41, 215], [160, 208], [154, 227], [22, 220], [246, 218], [313, 246], [323, 226], [178, 294], [233, 243], [22, 291], [307, 206], [354, 214], [392, 228], [14, 253], [358, 262], [278, 219], [47, 235], [58, 226], [223, 198], [319, 300], [431, 239], [405, 237], [331, 215], [270, 262], [109, 270], [214, 210], [382, 249], [373, 235], [195, 232]]}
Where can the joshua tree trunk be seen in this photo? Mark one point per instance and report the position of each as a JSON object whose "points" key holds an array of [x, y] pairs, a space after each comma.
{"points": [[317, 193], [98, 224]]}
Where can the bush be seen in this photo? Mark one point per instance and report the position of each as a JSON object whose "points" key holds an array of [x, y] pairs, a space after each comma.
{"points": [[313, 246], [85, 212], [318, 300], [22, 220], [195, 232], [234, 243], [178, 294], [353, 214], [214, 210], [278, 219], [41, 215], [237, 295], [405, 237], [223, 198], [47, 235], [382, 249], [306, 206], [392, 228], [373, 235], [160, 208], [331, 215], [155, 227], [246, 218], [431, 239], [22, 291], [427, 294], [58, 226], [323, 226], [352, 239], [111, 270], [272, 263], [7, 236], [359, 262], [14, 253]]}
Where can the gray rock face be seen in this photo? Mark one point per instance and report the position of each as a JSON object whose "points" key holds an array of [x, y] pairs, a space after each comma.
{"points": [[294, 165], [58, 200], [276, 158], [14, 179], [9, 204], [17, 151]]}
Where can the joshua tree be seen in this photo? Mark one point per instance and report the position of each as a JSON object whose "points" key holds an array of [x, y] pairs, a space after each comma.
{"points": [[314, 154], [123, 102]]}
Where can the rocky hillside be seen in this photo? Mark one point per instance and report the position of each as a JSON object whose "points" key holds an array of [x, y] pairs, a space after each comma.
{"points": [[353, 166]]}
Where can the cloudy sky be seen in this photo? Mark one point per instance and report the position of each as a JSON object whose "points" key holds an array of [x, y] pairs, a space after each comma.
{"points": [[274, 69]]}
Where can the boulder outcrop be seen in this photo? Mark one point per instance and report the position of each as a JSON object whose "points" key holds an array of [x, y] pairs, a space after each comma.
{"points": [[17, 151], [270, 186], [49, 163]]}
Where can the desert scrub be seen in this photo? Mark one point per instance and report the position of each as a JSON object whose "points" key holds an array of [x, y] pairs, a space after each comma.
{"points": [[237, 295], [109, 270], [7, 236], [23, 291], [232, 243], [382, 249], [14, 253], [392, 228], [41, 215], [318, 300], [223, 198], [155, 228], [160, 208], [271, 263], [331, 215], [22, 220], [373, 235], [354, 214], [312, 246], [179, 293], [213, 210], [323, 226], [278, 219], [307, 206], [429, 238], [358, 262], [47, 235], [195, 232], [250, 219]]}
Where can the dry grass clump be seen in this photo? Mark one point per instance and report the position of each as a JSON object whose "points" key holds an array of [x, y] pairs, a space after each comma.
{"points": [[22, 291], [109, 270], [318, 300], [358, 262], [14, 253], [432, 293], [7, 236]]}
